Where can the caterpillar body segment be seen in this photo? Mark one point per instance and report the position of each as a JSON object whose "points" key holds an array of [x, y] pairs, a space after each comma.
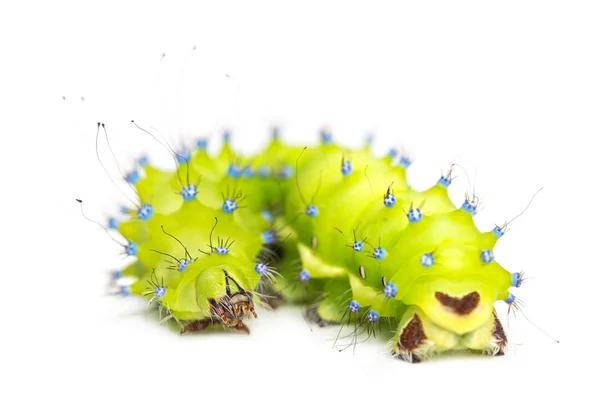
{"points": [[403, 254], [198, 243]]}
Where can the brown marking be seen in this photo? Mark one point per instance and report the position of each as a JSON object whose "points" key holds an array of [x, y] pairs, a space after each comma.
{"points": [[460, 306], [499, 335], [197, 325], [412, 335], [232, 308], [242, 327]]}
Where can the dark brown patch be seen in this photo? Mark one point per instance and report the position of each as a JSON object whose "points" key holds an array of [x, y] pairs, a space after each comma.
{"points": [[232, 308], [196, 325], [460, 306], [412, 335], [499, 335]]}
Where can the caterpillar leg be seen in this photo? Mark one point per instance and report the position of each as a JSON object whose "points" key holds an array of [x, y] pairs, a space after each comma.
{"points": [[242, 327], [196, 326], [490, 338], [325, 313], [331, 307], [200, 325]]}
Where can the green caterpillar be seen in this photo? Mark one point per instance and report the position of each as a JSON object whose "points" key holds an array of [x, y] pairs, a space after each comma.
{"points": [[384, 251], [197, 244], [338, 229]]}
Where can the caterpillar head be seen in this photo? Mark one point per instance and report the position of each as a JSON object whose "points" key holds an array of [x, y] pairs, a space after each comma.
{"points": [[234, 306]]}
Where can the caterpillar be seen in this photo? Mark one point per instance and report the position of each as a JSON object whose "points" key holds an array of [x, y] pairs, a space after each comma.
{"points": [[339, 230]]}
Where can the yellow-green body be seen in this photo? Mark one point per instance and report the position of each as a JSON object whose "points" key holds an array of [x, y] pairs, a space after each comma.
{"points": [[446, 305], [352, 206]]}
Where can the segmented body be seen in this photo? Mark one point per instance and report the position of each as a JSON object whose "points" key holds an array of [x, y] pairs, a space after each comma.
{"points": [[196, 240], [375, 248], [343, 228]]}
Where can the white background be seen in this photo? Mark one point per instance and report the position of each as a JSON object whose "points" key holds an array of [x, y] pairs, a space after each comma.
{"points": [[509, 89]]}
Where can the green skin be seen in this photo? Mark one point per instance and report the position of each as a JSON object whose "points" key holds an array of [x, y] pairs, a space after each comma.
{"points": [[346, 204], [355, 202], [191, 222]]}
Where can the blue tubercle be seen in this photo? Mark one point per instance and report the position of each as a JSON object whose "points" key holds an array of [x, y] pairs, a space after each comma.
{"points": [[131, 249], [261, 268], [444, 181], [201, 144], [183, 156], [234, 171], [116, 274], [427, 260], [264, 171], [390, 290], [268, 237], [346, 168], [189, 192], [182, 265], [133, 177], [414, 215], [379, 253], [221, 250], [393, 153], [145, 212], [304, 275], [275, 133], [143, 161], [372, 316], [510, 298], [113, 223], [354, 306], [469, 206], [247, 172], [160, 292], [486, 256], [229, 206], [358, 246], [404, 162], [226, 137], [326, 137], [285, 172], [311, 210], [389, 200], [125, 290], [516, 279], [124, 210], [267, 216], [498, 231]]}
